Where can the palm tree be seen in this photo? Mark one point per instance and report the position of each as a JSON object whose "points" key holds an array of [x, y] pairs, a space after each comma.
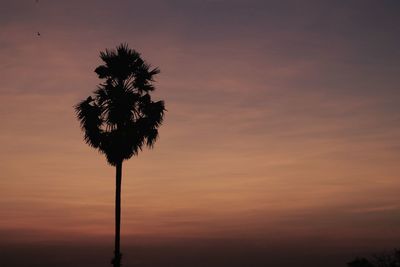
{"points": [[121, 118]]}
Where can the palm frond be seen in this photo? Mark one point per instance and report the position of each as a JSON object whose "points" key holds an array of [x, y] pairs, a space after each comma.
{"points": [[121, 118], [89, 116]]}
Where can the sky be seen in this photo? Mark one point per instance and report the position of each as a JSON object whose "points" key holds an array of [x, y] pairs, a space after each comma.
{"points": [[280, 145]]}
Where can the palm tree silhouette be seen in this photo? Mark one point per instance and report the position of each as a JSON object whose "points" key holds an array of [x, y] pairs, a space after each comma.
{"points": [[121, 118]]}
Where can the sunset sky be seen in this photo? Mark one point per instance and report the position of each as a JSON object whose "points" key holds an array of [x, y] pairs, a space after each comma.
{"points": [[281, 144]]}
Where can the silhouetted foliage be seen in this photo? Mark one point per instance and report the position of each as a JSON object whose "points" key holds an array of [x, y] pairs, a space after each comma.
{"points": [[120, 118], [379, 260]]}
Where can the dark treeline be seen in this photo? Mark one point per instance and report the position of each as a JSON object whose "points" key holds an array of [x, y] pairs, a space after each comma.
{"points": [[386, 259]]}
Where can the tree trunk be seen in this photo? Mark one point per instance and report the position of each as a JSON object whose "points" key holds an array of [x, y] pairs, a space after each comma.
{"points": [[117, 253]]}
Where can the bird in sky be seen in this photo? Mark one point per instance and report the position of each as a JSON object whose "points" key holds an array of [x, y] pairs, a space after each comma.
{"points": [[38, 33]]}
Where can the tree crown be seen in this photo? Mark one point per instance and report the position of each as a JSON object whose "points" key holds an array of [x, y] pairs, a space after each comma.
{"points": [[120, 117]]}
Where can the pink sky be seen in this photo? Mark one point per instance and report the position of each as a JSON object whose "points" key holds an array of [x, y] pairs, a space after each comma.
{"points": [[282, 123]]}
